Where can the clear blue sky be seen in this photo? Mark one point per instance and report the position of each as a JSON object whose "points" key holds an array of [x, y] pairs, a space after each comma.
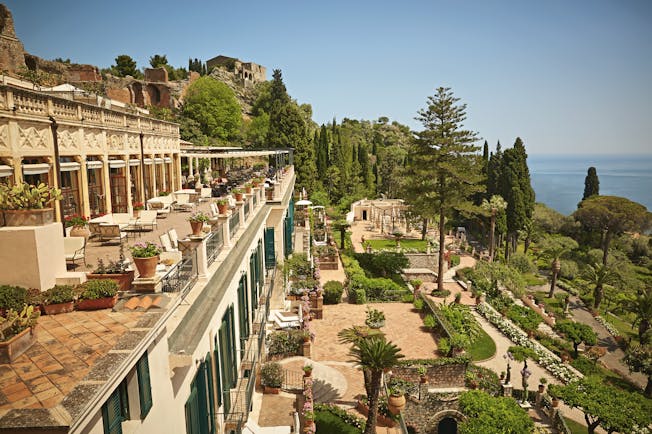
{"points": [[566, 76]]}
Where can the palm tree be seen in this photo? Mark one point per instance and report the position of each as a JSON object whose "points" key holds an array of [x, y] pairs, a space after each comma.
{"points": [[641, 307], [554, 248], [599, 274], [493, 206], [374, 355]]}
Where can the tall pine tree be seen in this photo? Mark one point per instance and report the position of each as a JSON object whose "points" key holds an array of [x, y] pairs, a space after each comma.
{"points": [[591, 184]]}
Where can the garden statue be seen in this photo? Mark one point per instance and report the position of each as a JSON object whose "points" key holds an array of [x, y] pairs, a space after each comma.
{"points": [[508, 357], [525, 373]]}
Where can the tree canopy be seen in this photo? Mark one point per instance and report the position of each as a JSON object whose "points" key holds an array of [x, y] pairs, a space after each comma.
{"points": [[212, 112], [492, 415], [591, 184], [124, 66]]}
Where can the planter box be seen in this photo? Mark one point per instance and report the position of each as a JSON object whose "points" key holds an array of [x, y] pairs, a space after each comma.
{"points": [[124, 280], [55, 309], [10, 350], [328, 265], [100, 303], [29, 217], [271, 390]]}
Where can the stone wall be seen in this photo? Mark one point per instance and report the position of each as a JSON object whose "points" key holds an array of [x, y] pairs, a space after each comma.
{"points": [[83, 73], [439, 377], [156, 74], [424, 416], [423, 260], [12, 52]]}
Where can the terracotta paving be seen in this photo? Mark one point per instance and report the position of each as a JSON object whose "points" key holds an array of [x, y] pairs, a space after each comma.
{"points": [[403, 326], [277, 410], [67, 346]]}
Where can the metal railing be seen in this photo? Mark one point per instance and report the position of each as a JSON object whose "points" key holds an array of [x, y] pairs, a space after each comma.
{"points": [[246, 210], [292, 381], [214, 245], [234, 223], [181, 278], [255, 200]]}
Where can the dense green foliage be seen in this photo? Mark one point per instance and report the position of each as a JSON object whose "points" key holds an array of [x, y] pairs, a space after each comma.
{"points": [[333, 292], [591, 184], [331, 419], [577, 333], [98, 288], [12, 297], [211, 113], [124, 66], [492, 415]]}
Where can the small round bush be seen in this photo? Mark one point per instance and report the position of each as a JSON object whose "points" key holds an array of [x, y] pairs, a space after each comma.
{"points": [[271, 374], [12, 297], [440, 293], [333, 292], [100, 288], [59, 294]]}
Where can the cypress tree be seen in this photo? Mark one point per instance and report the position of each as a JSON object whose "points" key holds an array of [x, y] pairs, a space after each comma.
{"points": [[591, 184]]}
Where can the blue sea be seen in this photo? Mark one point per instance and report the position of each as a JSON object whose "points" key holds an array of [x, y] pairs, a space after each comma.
{"points": [[558, 180]]}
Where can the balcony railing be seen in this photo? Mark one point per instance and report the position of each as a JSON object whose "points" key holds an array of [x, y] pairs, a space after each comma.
{"points": [[246, 210], [181, 278], [234, 223], [214, 245]]}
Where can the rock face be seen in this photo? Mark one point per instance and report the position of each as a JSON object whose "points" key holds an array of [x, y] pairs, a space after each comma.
{"points": [[244, 90], [12, 57]]}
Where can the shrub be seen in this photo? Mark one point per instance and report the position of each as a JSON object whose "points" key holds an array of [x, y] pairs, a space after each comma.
{"points": [[12, 297], [569, 269], [418, 303], [298, 265], [333, 292], [455, 261], [383, 263], [285, 342], [357, 296], [464, 274], [59, 294], [100, 288], [407, 298], [271, 374], [524, 317], [444, 346], [429, 321], [522, 263], [443, 293]]}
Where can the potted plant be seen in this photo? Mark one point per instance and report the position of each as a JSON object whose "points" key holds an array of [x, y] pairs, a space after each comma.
{"points": [[79, 226], [542, 384], [552, 391], [115, 270], [396, 400], [197, 221], [307, 368], [28, 205], [17, 332], [58, 299], [375, 318], [98, 294], [248, 186], [238, 193], [222, 205], [146, 257], [271, 377], [138, 207], [422, 371], [12, 297]]}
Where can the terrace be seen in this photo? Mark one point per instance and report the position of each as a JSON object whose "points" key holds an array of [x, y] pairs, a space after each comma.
{"points": [[79, 355]]}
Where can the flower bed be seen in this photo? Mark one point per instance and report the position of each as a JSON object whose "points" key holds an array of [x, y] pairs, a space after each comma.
{"points": [[547, 359], [347, 417], [610, 328]]}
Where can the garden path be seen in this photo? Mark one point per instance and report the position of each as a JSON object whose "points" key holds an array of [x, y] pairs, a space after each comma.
{"points": [[613, 359]]}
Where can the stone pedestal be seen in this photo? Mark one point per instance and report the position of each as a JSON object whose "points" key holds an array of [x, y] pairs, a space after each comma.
{"points": [[506, 389], [151, 284], [198, 246], [32, 256], [307, 349]]}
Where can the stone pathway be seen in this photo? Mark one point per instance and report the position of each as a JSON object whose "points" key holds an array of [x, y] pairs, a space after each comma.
{"points": [[614, 356]]}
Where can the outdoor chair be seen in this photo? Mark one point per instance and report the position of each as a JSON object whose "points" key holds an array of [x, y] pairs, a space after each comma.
{"points": [[110, 232], [214, 210], [183, 202], [147, 219], [174, 238], [166, 243], [74, 248], [205, 194]]}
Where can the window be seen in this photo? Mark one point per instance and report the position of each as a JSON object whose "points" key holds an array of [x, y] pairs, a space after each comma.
{"points": [[270, 254], [144, 386], [199, 406], [243, 313], [116, 409]]}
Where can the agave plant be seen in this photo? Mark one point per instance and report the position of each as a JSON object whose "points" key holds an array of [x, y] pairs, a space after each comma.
{"points": [[26, 196]]}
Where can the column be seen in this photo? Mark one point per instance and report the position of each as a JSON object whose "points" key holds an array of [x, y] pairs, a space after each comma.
{"points": [[106, 183], [152, 176], [83, 186], [130, 208], [190, 170]]}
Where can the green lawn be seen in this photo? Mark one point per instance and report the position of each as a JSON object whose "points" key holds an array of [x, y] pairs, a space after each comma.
{"points": [[553, 305], [328, 423], [623, 327], [483, 347], [576, 427], [420, 245]]}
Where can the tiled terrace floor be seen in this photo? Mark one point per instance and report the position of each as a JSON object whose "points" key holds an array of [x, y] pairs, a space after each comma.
{"points": [[67, 346]]}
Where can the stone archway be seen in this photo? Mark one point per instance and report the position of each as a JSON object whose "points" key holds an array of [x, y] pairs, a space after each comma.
{"points": [[445, 422], [447, 425]]}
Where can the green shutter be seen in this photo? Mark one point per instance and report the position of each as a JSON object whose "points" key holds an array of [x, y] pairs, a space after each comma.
{"points": [[232, 348], [144, 386], [208, 364], [112, 413], [254, 283], [270, 254], [243, 313], [218, 379], [192, 411], [202, 400], [287, 235]]}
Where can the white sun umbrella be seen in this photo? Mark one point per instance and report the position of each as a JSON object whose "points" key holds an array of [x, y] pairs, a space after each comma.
{"points": [[303, 202]]}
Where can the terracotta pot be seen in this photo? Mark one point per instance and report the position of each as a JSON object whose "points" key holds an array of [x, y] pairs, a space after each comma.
{"points": [[248, 190], [137, 213], [222, 208], [55, 309], [80, 231], [98, 303], [29, 217], [238, 197], [123, 280], [196, 228], [272, 390], [146, 266], [307, 373], [555, 402], [541, 388], [423, 379], [10, 350], [396, 403]]}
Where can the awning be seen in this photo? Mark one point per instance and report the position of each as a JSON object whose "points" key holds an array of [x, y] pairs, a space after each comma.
{"points": [[6, 171], [168, 159], [134, 162], [116, 164], [69, 166], [158, 160], [147, 161], [36, 169], [93, 164]]}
